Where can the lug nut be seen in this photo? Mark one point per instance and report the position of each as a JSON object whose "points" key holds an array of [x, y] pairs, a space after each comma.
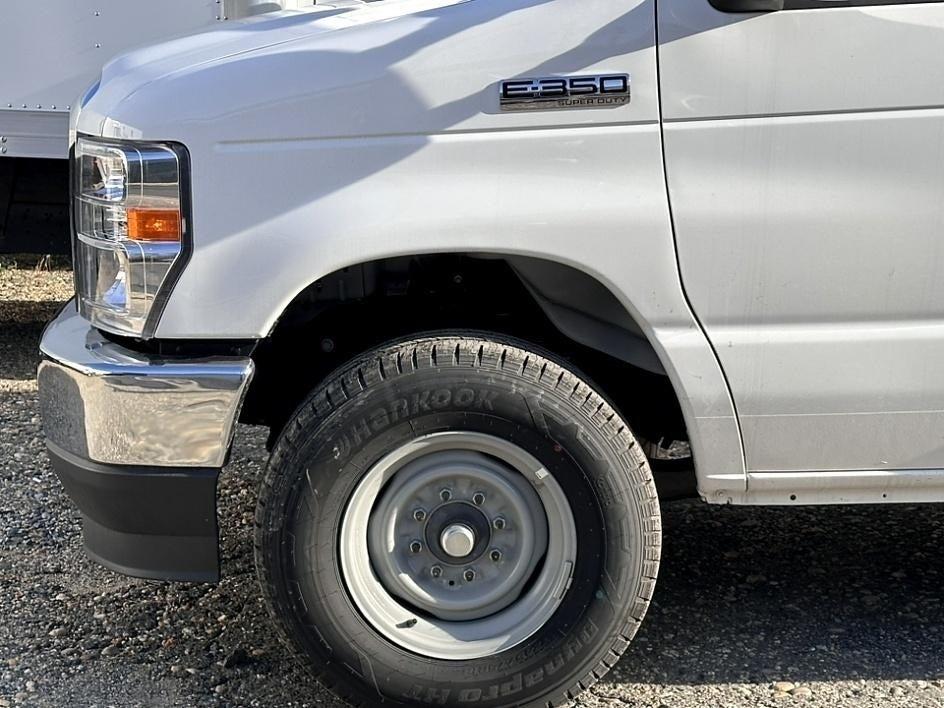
{"points": [[499, 523], [435, 571], [445, 494], [469, 575], [416, 547], [419, 515], [495, 555], [478, 498]]}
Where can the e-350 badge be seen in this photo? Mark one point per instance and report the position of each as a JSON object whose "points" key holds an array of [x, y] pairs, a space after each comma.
{"points": [[565, 92]]}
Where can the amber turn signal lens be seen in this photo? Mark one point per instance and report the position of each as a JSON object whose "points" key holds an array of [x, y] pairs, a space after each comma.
{"points": [[153, 224]]}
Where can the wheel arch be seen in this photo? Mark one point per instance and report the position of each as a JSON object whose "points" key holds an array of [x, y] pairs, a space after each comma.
{"points": [[582, 306]]}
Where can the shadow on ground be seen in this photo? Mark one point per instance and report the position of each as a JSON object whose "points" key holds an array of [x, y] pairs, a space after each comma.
{"points": [[814, 594]]}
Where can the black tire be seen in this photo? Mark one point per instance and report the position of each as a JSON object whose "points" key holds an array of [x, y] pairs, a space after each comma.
{"points": [[349, 422]]}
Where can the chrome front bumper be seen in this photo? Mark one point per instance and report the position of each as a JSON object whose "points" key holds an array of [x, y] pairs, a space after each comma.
{"points": [[108, 404]]}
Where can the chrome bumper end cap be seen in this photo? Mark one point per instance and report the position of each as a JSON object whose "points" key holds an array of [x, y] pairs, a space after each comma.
{"points": [[112, 405]]}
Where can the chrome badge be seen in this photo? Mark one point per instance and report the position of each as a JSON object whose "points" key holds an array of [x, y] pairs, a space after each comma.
{"points": [[565, 92]]}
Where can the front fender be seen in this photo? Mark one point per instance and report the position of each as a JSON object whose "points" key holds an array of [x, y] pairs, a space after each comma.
{"points": [[386, 139]]}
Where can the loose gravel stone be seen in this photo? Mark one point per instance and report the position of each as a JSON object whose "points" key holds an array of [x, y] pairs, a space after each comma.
{"points": [[842, 604]]}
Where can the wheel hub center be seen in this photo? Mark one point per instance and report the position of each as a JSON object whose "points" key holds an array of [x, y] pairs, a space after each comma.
{"points": [[457, 540], [457, 532]]}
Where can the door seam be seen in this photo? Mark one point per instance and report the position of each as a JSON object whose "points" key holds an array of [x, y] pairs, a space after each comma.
{"points": [[678, 260]]}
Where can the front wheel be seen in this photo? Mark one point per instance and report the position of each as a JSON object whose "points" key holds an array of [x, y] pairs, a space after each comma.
{"points": [[455, 520]]}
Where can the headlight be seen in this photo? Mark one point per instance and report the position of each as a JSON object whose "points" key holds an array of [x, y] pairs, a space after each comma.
{"points": [[130, 230]]}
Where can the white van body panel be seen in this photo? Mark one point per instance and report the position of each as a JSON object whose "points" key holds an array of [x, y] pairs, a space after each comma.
{"points": [[375, 131], [798, 152], [805, 160]]}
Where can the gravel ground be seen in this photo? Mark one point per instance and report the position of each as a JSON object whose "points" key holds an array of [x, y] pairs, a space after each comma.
{"points": [[755, 607]]}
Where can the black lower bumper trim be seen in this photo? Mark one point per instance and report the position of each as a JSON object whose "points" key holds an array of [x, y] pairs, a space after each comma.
{"points": [[149, 522]]}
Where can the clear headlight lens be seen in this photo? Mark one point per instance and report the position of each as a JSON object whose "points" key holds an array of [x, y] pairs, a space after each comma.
{"points": [[130, 230]]}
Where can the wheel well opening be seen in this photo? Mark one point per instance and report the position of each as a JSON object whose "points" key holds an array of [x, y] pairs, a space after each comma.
{"points": [[554, 306]]}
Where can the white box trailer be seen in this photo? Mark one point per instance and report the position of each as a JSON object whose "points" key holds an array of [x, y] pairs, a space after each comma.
{"points": [[51, 52]]}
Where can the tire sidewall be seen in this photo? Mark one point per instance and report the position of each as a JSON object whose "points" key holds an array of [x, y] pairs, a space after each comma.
{"points": [[321, 462]]}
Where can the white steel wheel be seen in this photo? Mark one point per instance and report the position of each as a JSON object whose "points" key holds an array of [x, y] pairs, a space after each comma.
{"points": [[458, 545]]}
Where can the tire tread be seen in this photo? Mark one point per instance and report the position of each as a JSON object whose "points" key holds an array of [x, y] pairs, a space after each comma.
{"points": [[481, 350]]}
